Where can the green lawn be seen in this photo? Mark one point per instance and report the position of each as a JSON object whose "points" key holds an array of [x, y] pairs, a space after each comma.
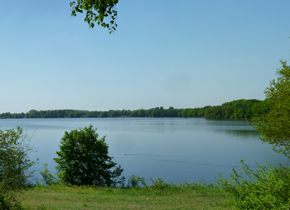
{"points": [[173, 197]]}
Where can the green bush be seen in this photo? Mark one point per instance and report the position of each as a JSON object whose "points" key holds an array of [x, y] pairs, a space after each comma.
{"points": [[83, 160], [267, 187], [48, 178], [8, 202], [14, 160], [135, 181], [14, 165], [158, 184]]}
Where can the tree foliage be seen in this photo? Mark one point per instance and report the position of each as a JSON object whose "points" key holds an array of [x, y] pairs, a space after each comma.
{"points": [[48, 178], [238, 109], [265, 188], [83, 159], [14, 160], [8, 201], [275, 125], [14, 165], [97, 11]]}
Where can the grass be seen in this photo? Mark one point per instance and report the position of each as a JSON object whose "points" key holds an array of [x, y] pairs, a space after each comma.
{"points": [[169, 197]]}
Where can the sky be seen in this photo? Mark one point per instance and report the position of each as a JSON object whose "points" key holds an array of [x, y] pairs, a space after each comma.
{"points": [[180, 53]]}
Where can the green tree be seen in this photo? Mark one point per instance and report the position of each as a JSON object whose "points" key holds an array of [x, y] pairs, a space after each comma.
{"points": [[274, 126], [103, 12], [32, 113], [141, 113], [14, 165], [156, 112], [171, 112], [104, 114], [14, 160], [83, 159], [113, 113]]}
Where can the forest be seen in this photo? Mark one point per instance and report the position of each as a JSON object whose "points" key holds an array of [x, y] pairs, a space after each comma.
{"points": [[237, 109]]}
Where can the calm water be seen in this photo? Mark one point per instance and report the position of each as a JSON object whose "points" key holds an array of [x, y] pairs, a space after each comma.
{"points": [[176, 149]]}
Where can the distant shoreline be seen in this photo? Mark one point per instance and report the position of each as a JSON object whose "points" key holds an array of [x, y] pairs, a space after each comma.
{"points": [[238, 109]]}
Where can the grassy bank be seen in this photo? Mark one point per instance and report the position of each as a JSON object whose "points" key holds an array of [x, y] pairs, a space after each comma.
{"points": [[171, 197]]}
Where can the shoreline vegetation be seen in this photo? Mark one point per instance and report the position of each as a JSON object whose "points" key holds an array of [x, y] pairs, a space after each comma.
{"points": [[238, 109]]}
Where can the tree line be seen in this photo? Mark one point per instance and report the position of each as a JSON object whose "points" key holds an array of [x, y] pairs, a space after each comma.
{"points": [[237, 109]]}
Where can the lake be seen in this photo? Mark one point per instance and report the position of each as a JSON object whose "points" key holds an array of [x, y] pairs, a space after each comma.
{"points": [[176, 149]]}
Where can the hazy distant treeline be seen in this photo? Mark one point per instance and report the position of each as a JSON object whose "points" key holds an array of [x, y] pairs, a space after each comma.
{"points": [[239, 109]]}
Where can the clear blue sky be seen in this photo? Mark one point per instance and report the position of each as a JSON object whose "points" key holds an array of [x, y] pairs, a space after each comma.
{"points": [[180, 53]]}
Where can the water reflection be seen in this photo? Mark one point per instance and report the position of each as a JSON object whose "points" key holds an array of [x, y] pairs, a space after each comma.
{"points": [[247, 134]]}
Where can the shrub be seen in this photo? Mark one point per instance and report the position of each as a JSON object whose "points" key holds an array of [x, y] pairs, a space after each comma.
{"points": [[14, 165], [158, 184], [14, 160], [83, 159], [136, 181], [267, 187], [8, 202], [48, 178]]}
